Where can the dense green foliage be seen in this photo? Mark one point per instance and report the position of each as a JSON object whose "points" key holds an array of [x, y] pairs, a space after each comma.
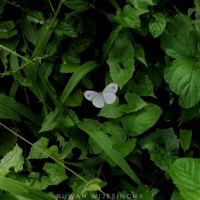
{"points": [[54, 143]]}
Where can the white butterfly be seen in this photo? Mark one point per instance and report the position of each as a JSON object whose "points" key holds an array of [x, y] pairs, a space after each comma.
{"points": [[99, 99]]}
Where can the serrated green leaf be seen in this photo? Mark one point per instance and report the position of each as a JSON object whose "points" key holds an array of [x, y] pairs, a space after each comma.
{"points": [[138, 122], [121, 60], [13, 159], [185, 139], [163, 147], [7, 29], [55, 172], [185, 173], [180, 39], [42, 144], [157, 24], [183, 78], [176, 195]]}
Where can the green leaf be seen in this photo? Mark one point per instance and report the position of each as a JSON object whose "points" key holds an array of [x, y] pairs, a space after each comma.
{"points": [[42, 144], [142, 86], [185, 175], [128, 17], [56, 172], [65, 29], [75, 4], [157, 24], [139, 54], [35, 16], [121, 60], [144, 192], [185, 139], [7, 141], [111, 111], [176, 195], [23, 190], [12, 159], [180, 39], [7, 29], [138, 122], [183, 78], [108, 44], [69, 67], [76, 77], [135, 103], [92, 129], [163, 147], [50, 122], [9, 103], [29, 31], [75, 98]]}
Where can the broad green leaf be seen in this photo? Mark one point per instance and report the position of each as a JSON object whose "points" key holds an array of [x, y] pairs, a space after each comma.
{"points": [[75, 98], [121, 60], [189, 113], [139, 54], [93, 185], [185, 139], [163, 147], [56, 173], [29, 31], [35, 16], [7, 141], [50, 122], [176, 195], [65, 29], [138, 122], [42, 144], [13, 159], [110, 111], [147, 193], [7, 29], [92, 129], [157, 24], [134, 103], [185, 173], [142, 7], [142, 86], [107, 46], [128, 17], [24, 190], [180, 39], [183, 78], [75, 4]]}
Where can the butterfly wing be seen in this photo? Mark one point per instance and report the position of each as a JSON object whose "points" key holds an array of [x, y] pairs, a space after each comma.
{"points": [[109, 93], [95, 97], [111, 88], [90, 95], [109, 98], [98, 102]]}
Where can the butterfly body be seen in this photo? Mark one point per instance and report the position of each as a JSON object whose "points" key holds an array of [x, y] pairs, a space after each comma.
{"points": [[99, 99]]}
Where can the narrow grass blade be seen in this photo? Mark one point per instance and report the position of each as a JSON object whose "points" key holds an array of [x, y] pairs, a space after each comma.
{"points": [[26, 191], [76, 77]]}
